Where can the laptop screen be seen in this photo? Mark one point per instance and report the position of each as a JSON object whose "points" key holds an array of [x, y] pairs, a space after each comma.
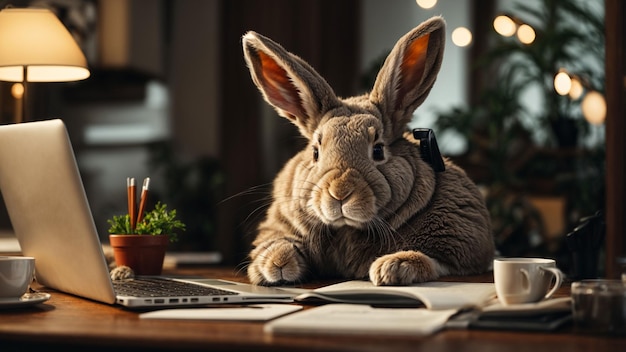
{"points": [[48, 209]]}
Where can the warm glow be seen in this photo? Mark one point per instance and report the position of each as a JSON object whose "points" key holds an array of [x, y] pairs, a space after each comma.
{"points": [[56, 73], [504, 25], [426, 4], [577, 89], [594, 108], [526, 34], [17, 90], [36, 39], [461, 36], [562, 83]]}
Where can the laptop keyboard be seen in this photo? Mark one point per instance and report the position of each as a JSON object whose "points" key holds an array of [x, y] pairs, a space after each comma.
{"points": [[154, 287]]}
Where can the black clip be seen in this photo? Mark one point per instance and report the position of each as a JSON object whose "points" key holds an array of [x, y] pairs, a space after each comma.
{"points": [[429, 148]]}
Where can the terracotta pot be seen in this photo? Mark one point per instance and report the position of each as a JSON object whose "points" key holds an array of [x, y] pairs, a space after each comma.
{"points": [[142, 253]]}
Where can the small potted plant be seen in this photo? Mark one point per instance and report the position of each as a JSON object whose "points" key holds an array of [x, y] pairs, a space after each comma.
{"points": [[142, 248]]}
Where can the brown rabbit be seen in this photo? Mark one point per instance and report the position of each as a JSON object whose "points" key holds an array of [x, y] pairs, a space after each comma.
{"points": [[359, 201]]}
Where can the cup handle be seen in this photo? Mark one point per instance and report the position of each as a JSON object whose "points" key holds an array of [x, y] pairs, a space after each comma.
{"points": [[558, 276], [526, 281]]}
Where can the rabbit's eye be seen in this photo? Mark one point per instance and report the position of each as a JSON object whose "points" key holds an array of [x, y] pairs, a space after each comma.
{"points": [[316, 153], [378, 152]]}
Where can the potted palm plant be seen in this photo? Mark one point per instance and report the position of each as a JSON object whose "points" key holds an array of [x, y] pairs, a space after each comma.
{"points": [[519, 152], [142, 247]]}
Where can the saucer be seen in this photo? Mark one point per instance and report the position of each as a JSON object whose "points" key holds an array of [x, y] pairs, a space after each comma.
{"points": [[28, 299], [562, 304]]}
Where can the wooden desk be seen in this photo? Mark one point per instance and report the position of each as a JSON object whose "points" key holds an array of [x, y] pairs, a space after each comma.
{"points": [[72, 323]]}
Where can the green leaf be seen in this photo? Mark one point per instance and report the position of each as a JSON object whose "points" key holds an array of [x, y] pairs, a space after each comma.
{"points": [[158, 221]]}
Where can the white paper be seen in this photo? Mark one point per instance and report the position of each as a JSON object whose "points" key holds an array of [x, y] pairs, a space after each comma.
{"points": [[255, 312], [434, 295], [361, 319]]}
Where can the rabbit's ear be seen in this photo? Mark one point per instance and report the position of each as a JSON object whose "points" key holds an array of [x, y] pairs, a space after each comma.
{"points": [[409, 73], [288, 83]]}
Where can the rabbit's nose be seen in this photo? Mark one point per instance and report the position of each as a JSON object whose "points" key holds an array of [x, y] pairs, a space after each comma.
{"points": [[342, 187], [340, 191]]}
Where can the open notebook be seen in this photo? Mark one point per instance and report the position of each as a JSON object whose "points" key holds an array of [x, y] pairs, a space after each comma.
{"points": [[46, 202]]}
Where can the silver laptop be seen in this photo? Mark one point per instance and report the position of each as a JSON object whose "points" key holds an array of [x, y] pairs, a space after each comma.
{"points": [[50, 215]]}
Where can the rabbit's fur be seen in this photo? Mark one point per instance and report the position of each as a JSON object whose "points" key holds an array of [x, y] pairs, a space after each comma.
{"points": [[359, 202]]}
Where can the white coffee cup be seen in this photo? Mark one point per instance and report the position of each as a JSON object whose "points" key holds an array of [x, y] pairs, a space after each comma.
{"points": [[525, 280], [16, 274]]}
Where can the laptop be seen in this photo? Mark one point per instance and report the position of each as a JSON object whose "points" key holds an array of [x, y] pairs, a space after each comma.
{"points": [[48, 208]]}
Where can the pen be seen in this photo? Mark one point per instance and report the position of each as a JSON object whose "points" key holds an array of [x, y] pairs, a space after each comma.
{"points": [[144, 198], [130, 183]]}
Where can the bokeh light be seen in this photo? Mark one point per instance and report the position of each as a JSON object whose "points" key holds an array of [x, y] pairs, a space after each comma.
{"points": [[594, 108], [562, 83], [504, 25], [426, 4], [577, 89], [461, 36], [526, 34]]}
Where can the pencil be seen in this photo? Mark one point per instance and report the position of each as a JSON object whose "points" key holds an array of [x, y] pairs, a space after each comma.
{"points": [[130, 182], [144, 198]]}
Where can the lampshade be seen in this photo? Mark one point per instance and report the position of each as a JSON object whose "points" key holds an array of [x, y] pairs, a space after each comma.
{"points": [[36, 42]]}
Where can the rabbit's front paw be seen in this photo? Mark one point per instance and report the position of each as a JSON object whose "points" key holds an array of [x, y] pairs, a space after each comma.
{"points": [[403, 268], [278, 263]]}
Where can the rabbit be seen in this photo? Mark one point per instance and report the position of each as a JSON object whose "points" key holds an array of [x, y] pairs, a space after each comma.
{"points": [[359, 202]]}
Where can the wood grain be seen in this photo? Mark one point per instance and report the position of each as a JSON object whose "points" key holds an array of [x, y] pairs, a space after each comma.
{"points": [[73, 323]]}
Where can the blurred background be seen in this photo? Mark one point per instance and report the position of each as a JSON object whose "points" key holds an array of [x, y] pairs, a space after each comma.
{"points": [[170, 98]]}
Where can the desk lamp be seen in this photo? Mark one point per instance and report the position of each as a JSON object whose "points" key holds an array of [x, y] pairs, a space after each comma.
{"points": [[36, 47]]}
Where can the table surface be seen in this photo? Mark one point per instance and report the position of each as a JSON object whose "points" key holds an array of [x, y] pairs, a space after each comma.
{"points": [[73, 323]]}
